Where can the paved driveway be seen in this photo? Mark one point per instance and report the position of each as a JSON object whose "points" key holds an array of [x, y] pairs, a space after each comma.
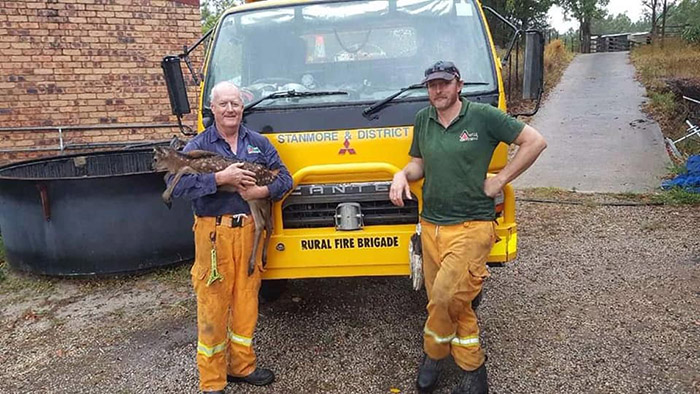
{"points": [[599, 140]]}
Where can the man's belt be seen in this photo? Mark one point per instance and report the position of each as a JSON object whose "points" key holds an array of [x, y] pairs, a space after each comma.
{"points": [[231, 220]]}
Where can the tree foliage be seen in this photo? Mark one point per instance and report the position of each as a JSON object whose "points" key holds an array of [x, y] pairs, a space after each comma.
{"points": [[211, 10], [620, 23], [525, 14], [685, 12], [585, 11]]}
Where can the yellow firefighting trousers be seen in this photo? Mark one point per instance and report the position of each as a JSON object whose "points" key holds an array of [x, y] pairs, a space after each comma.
{"points": [[454, 266], [227, 308]]}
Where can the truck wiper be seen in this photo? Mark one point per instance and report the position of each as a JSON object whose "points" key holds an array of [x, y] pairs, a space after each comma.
{"points": [[292, 93], [367, 112], [376, 107]]}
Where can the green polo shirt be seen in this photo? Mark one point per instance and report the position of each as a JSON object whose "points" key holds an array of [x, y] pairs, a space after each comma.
{"points": [[456, 160]]}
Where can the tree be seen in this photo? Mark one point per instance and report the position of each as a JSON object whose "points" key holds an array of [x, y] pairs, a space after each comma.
{"points": [[585, 11], [685, 12], [653, 9], [530, 13], [662, 10], [211, 10], [525, 14], [620, 23]]}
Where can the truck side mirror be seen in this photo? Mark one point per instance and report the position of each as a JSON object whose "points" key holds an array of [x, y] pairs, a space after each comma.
{"points": [[175, 81], [533, 78]]}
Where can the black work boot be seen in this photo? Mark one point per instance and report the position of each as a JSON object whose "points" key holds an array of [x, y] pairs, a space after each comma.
{"points": [[259, 377], [428, 374], [473, 382]]}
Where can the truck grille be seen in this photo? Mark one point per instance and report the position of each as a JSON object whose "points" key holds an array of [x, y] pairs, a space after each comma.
{"points": [[314, 205]]}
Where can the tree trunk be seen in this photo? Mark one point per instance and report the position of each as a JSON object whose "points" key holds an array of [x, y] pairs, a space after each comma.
{"points": [[586, 35], [663, 24], [653, 18]]}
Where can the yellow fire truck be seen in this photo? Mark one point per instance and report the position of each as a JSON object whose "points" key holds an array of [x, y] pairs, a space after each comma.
{"points": [[333, 85]]}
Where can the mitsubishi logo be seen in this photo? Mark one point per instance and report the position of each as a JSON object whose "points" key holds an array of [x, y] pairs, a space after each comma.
{"points": [[346, 144]]}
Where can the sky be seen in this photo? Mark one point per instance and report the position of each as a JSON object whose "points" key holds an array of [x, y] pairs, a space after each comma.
{"points": [[632, 8]]}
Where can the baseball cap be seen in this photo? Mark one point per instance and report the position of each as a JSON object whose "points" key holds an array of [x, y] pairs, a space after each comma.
{"points": [[441, 70]]}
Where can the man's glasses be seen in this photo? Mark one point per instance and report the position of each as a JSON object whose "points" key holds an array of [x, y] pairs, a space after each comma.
{"points": [[442, 67]]}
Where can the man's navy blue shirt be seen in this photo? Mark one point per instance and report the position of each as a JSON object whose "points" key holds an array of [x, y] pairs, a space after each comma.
{"points": [[201, 188]]}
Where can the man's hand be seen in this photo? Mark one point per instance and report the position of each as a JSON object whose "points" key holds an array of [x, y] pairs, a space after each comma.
{"points": [[236, 176], [399, 186], [493, 185], [254, 192]]}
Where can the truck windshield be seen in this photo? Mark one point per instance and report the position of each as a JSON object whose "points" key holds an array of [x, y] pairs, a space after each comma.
{"points": [[369, 49]]}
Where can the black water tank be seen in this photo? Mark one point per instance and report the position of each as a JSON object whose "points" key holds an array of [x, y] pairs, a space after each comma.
{"points": [[91, 214]]}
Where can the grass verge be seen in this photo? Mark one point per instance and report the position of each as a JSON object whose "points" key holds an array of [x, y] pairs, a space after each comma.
{"points": [[670, 72], [556, 60], [15, 284], [675, 197]]}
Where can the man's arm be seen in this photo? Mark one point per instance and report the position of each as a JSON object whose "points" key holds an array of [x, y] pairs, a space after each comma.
{"points": [[192, 186], [279, 186], [531, 144], [413, 171]]}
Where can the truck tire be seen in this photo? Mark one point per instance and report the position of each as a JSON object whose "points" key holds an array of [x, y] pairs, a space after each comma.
{"points": [[271, 290]]}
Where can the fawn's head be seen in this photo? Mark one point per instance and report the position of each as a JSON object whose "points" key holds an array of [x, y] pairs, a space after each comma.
{"points": [[164, 158]]}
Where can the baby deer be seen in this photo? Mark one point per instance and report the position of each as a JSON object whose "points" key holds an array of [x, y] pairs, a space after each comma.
{"points": [[200, 162]]}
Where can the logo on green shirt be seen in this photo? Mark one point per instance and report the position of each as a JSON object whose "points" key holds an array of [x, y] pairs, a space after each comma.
{"points": [[467, 136]]}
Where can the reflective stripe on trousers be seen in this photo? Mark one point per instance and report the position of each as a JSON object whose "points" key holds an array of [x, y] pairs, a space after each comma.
{"points": [[210, 351], [240, 339], [472, 340]]}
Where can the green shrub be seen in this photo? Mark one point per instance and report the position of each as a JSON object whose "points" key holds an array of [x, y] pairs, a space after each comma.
{"points": [[691, 34], [677, 196]]}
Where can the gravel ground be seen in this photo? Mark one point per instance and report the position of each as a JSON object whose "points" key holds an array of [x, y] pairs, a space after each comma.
{"points": [[601, 299]]}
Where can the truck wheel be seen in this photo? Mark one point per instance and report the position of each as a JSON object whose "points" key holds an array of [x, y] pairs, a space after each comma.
{"points": [[271, 290]]}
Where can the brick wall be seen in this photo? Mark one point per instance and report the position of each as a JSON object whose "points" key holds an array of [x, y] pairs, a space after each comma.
{"points": [[88, 62]]}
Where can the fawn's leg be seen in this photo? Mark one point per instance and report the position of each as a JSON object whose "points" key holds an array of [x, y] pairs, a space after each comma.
{"points": [[256, 209], [171, 186], [267, 215]]}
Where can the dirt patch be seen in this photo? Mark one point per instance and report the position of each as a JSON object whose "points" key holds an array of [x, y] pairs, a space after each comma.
{"points": [[71, 324]]}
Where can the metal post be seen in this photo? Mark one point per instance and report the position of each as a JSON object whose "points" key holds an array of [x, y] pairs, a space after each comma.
{"points": [[510, 76], [533, 67], [60, 139], [517, 63]]}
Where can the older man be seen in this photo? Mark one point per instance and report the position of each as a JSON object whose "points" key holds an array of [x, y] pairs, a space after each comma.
{"points": [[227, 297], [453, 141]]}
